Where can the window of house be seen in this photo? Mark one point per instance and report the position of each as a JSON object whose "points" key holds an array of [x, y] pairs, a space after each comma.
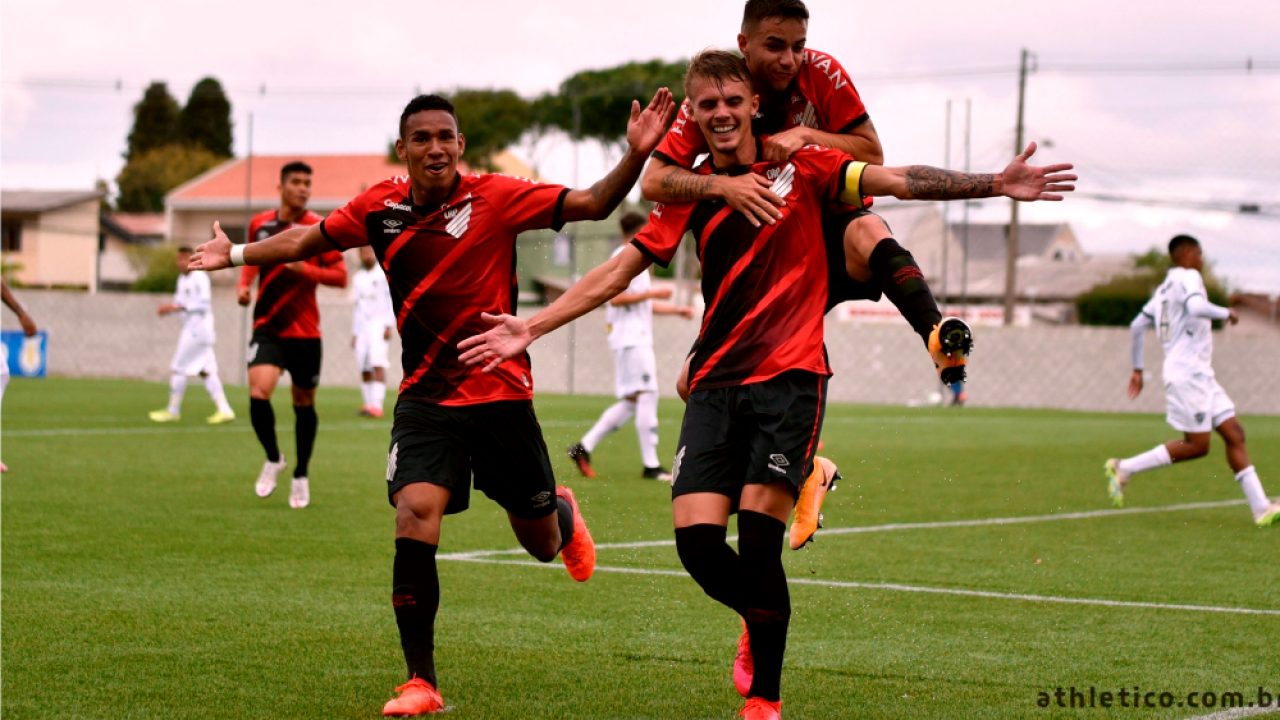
{"points": [[12, 231]]}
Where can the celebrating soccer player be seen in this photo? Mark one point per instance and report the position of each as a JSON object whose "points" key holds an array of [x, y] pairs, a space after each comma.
{"points": [[759, 370], [447, 244], [286, 332], [1183, 317]]}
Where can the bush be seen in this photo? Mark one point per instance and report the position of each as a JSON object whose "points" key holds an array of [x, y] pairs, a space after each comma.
{"points": [[159, 272]]}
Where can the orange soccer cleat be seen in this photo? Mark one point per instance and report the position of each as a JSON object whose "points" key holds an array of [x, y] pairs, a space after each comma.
{"points": [[809, 505], [950, 344], [579, 555], [417, 697], [761, 709], [744, 667]]}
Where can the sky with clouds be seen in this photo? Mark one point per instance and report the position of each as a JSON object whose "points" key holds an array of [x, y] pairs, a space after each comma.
{"points": [[1150, 99]]}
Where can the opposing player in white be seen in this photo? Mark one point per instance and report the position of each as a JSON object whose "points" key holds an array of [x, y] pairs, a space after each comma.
{"points": [[194, 355], [372, 322], [1196, 404], [630, 322]]}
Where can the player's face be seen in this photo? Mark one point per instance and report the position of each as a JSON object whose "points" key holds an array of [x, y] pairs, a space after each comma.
{"points": [[774, 51], [295, 190], [723, 112], [430, 147], [367, 258], [182, 260]]}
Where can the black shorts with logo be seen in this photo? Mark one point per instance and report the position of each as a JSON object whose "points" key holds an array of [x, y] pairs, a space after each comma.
{"points": [[498, 443], [757, 433], [841, 287], [300, 357]]}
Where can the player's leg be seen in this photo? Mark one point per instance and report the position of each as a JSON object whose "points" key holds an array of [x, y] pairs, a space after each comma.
{"points": [[266, 362], [642, 380], [1265, 511], [363, 361], [187, 360], [213, 385], [303, 363], [517, 475], [378, 362], [1189, 408]]}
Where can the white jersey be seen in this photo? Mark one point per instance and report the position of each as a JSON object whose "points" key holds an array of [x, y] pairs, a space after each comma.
{"points": [[631, 325], [195, 296], [372, 313], [1187, 339]]}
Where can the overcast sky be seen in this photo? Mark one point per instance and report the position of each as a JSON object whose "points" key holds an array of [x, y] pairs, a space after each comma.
{"points": [[1125, 90]]}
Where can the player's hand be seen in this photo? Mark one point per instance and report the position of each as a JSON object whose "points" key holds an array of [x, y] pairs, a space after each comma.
{"points": [[686, 312], [386, 334], [28, 325], [295, 266], [164, 310], [1232, 317], [353, 341], [243, 295], [750, 195], [646, 127], [783, 145], [659, 293], [214, 254], [508, 337], [1031, 182], [1135, 384]]}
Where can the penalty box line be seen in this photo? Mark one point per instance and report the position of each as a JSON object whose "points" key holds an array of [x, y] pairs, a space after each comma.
{"points": [[895, 527]]}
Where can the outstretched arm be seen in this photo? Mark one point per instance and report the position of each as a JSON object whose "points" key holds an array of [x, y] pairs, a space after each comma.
{"points": [[1019, 181], [297, 243], [644, 130], [510, 335], [28, 325]]}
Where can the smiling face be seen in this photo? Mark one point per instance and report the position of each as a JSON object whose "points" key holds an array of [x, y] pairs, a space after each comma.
{"points": [[295, 191], [722, 108], [774, 51], [430, 146]]}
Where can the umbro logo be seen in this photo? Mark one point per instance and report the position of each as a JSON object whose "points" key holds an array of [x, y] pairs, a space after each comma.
{"points": [[392, 223]]}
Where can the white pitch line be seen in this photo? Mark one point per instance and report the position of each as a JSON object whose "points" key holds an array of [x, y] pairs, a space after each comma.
{"points": [[897, 587], [893, 527]]}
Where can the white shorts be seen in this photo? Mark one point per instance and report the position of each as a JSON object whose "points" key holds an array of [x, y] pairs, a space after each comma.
{"points": [[634, 371], [194, 356], [371, 351], [1197, 404]]}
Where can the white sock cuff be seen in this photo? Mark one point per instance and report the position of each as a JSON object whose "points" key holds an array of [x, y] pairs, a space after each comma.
{"points": [[1240, 476]]}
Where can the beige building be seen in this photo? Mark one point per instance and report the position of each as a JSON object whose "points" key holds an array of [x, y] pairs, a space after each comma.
{"points": [[51, 236]]}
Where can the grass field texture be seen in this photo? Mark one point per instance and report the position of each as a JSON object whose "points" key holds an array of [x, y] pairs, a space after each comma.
{"points": [[970, 563]]}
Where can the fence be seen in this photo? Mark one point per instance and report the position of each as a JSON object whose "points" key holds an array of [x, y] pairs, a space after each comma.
{"points": [[117, 335]]}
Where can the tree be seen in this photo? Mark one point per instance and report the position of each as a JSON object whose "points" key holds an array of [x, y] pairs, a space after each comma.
{"points": [[147, 177], [206, 119], [155, 120], [490, 120], [603, 98]]}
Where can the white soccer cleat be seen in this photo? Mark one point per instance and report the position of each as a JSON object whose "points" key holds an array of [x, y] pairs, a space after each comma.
{"points": [[267, 478], [1116, 480], [163, 416], [220, 417], [1268, 517], [299, 493]]}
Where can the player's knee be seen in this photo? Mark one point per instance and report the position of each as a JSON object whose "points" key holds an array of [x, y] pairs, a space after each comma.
{"points": [[1198, 447], [862, 235], [416, 520]]}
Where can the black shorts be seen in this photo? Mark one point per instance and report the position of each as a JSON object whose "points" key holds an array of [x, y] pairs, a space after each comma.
{"points": [[757, 433], [499, 443], [841, 287], [300, 357]]}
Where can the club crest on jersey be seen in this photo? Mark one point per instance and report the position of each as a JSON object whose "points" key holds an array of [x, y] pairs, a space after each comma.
{"points": [[782, 178], [459, 218]]}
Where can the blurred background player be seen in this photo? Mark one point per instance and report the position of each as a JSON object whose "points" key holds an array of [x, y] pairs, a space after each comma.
{"points": [[29, 329], [808, 98], [194, 354], [450, 262], [1183, 317], [286, 333], [372, 322], [630, 322]]}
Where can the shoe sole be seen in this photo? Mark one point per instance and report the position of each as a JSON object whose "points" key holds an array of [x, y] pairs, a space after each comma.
{"points": [[954, 337], [831, 485]]}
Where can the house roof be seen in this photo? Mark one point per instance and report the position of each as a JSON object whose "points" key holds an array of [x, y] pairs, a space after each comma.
{"points": [[140, 224], [336, 179], [989, 241], [38, 201]]}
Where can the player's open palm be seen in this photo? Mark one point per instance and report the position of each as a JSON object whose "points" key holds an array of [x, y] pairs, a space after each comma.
{"points": [[508, 337], [646, 127], [1031, 182], [214, 254]]}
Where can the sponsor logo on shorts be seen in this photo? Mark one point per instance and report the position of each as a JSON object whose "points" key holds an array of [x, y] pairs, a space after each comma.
{"points": [[541, 498], [675, 464], [779, 463], [253, 351], [1199, 418], [391, 462]]}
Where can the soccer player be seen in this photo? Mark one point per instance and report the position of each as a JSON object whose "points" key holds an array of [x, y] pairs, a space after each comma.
{"points": [[808, 98], [630, 320], [447, 243], [759, 371], [29, 329], [193, 298], [1183, 317], [286, 333], [372, 321]]}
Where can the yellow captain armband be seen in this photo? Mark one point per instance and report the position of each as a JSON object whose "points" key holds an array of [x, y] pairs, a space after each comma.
{"points": [[851, 184]]}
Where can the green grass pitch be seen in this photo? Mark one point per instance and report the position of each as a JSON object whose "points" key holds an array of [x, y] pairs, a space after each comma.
{"points": [[142, 578]]}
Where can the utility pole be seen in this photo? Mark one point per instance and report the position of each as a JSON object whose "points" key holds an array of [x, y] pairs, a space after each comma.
{"points": [[1011, 262]]}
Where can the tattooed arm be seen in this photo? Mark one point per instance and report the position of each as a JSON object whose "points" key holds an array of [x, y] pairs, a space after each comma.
{"points": [[749, 194], [1019, 181]]}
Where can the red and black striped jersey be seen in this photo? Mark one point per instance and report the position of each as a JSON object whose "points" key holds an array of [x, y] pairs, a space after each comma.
{"points": [[821, 97], [286, 305], [445, 265], [765, 288]]}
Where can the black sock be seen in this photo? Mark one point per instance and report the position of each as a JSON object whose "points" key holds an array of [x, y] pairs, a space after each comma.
{"points": [[304, 432], [564, 518], [899, 277], [263, 418], [415, 595], [711, 563], [767, 603]]}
